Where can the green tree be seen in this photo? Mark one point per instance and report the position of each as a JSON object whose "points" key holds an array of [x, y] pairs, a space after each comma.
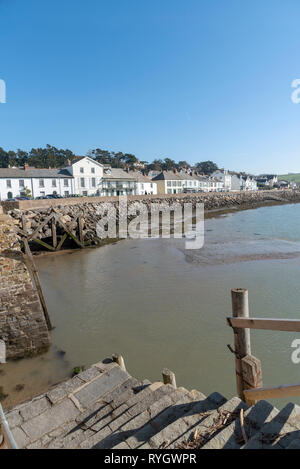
{"points": [[206, 167]]}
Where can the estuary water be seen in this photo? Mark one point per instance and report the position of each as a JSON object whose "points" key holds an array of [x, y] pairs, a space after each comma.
{"points": [[160, 305]]}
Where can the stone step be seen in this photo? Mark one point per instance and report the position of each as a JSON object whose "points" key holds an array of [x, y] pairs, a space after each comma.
{"points": [[82, 428], [280, 432], [65, 402], [123, 414], [182, 428], [209, 425], [231, 436], [295, 444], [150, 421]]}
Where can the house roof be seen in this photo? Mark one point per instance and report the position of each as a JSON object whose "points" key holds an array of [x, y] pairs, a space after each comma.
{"points": [[79, 158], [140, 177], [118, 173], [167, 176], [34, 173]]}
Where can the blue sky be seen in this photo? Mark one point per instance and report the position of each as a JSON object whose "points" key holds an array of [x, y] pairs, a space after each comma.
{"points": [[190, 80]]}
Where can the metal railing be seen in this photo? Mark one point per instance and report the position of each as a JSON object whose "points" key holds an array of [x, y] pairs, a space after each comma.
{"points": [[8, 441]]}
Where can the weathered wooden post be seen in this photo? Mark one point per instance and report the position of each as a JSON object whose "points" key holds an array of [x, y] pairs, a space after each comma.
{"points": [[169, 377], [119, 360], [242, 346], [54, 236]]}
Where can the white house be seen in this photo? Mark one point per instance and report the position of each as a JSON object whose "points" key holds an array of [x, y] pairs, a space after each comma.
{"points": [[87, 175], [19, 182], [144, 185], [225, 177], [116, 181]]}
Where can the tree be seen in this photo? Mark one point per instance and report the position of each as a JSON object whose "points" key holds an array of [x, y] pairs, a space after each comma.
{"points": [[169, 164], [206, 167]]}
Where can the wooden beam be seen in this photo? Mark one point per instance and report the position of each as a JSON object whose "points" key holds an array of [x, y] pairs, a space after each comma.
{"points": [[272, 393], [45, 245], [63, 238], [288, 325], [68, 230], [240, 308], [80, 229], [53, 229], [38, 229], [29, 261]]}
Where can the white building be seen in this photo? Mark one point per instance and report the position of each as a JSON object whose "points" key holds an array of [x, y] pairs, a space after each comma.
{"points": [[15, 182], [116, 181], [144, 185], [225, 177], [87, 175]]}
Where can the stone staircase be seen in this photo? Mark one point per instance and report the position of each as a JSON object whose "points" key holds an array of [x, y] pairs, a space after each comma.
{"points": [[104, 408]]}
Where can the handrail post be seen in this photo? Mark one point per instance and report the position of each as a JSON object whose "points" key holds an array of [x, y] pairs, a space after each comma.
{"points": [[242, 346]]}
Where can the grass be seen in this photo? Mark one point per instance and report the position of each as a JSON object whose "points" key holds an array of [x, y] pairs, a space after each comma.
{"points": [[290, 177]]}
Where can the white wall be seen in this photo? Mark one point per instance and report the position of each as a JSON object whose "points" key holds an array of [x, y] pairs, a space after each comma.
{"points": [[35, 187], [87, 172], [51, 186], [145, 187], [15, 188]]}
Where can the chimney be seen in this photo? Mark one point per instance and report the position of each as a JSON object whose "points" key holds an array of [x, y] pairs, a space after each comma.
{"points": [[68, 162], [26, 166]]}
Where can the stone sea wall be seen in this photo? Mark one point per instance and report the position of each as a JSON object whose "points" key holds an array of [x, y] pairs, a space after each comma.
{"points": [[93, 208], [22, 324]]}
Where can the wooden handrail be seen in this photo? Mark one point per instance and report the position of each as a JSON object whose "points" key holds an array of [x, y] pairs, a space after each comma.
{"points": [[287, 325], [272, 393]]}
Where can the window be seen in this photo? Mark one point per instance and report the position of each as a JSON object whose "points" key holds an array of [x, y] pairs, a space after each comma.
{"points": [[53, 182], [66, 193], [66, 183], [85, 193], [42, 193], [9, 195], [82, 170], [169, 183], [169, 191], [93, 182], [8, 184], [82, 184], [93, 170], [41, 183], [21, 183]]}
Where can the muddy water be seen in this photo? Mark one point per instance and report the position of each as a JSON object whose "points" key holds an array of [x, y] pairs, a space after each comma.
{"points": [[162, 306]]}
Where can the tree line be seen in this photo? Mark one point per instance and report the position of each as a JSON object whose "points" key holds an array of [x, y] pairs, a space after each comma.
{"points": [[52, 157]]}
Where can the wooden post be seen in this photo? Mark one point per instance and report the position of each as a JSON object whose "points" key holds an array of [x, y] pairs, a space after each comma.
{"points": [[252, 375], [169, 377], [80, 229], [120, 360], [35, 277], [242, 347], [53, 229]]}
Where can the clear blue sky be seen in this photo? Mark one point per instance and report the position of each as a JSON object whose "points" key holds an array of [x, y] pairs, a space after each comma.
{"points": [[191, 80]]}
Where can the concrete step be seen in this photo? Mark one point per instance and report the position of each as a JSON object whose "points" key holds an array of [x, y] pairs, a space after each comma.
{"points": [[231, 436], [280, 432], [182, 427], [123, 415]]}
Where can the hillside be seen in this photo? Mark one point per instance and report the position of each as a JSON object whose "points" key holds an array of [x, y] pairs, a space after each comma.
{"points": [[290, 177]]}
